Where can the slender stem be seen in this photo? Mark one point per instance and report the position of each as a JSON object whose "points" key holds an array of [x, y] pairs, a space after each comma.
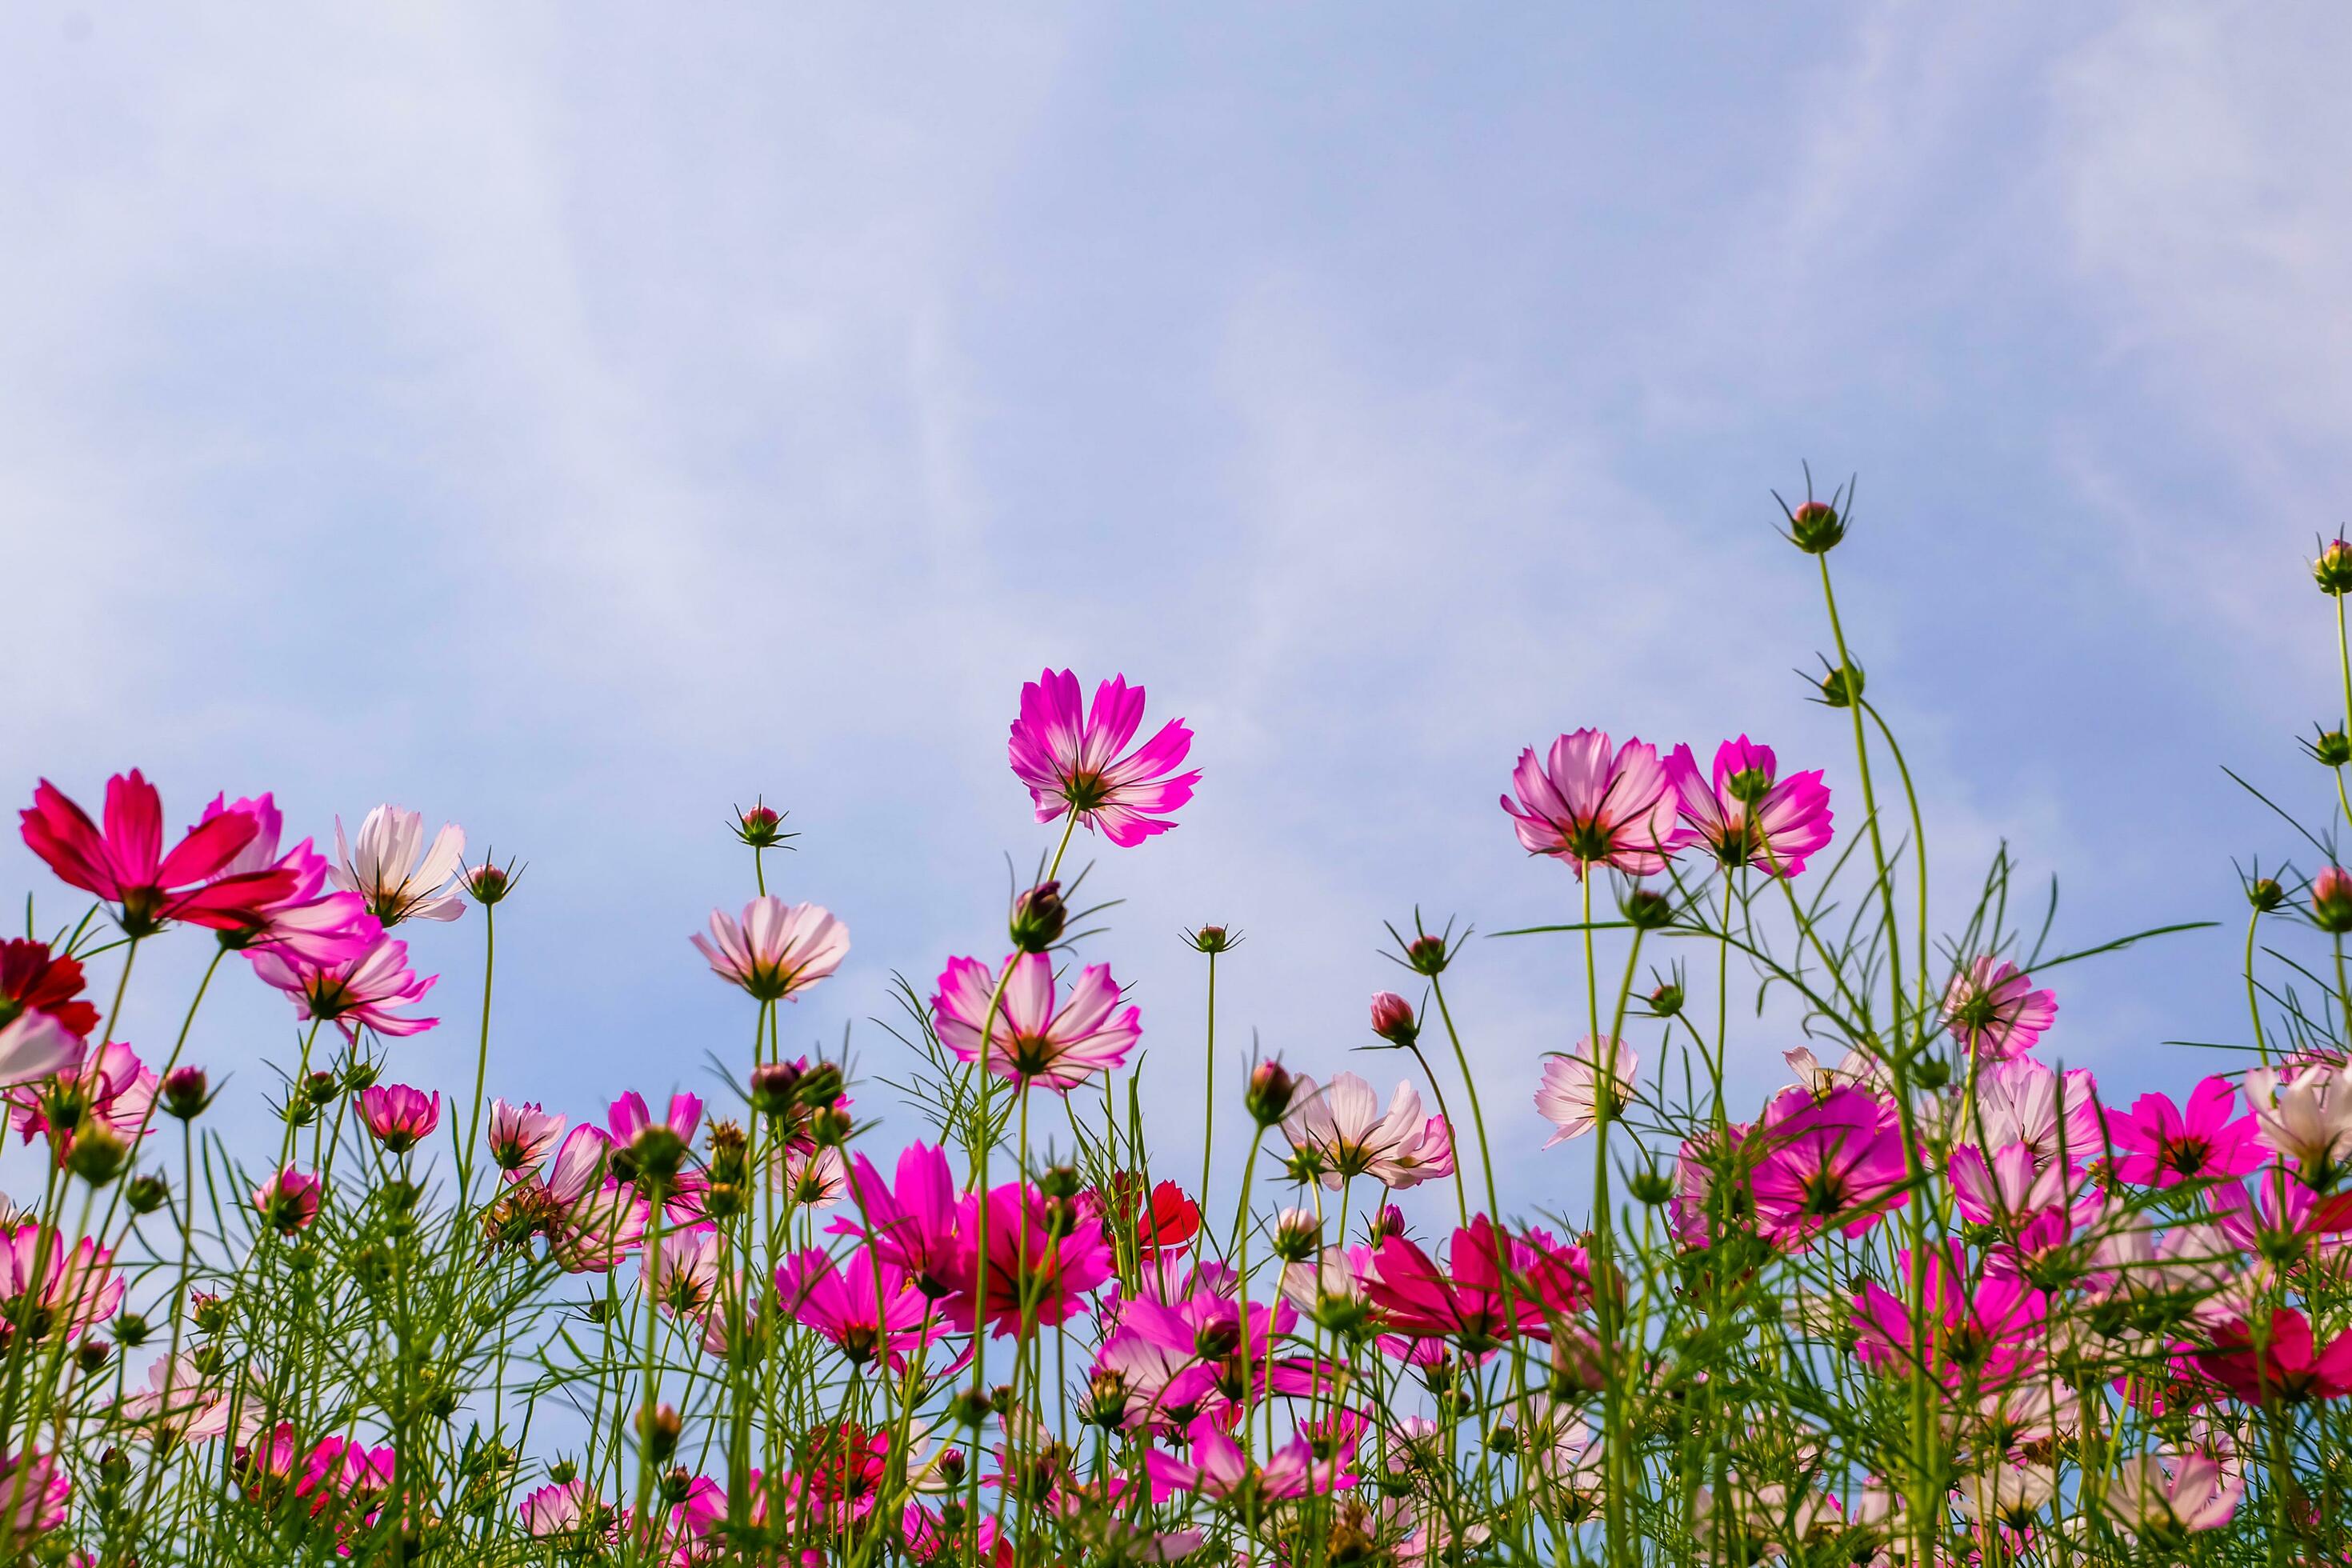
{"points": [[1208, 1087], [481, 1059]]}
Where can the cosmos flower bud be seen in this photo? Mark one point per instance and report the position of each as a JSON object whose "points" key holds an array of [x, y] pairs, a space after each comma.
{"points": [[92, 1354], [776, 1087], [323, 1088], [488, 883], [359, 1073], [760, 827], [145, 1194], [1269, 1096], [1298, 1235], [1646, 908], [562, 1472], [132, 1328], [2333, 570], [830, 1126], [1427, 956], [1105, 1404], [2331, 899], [970, 1408], [2329, 749], [1839, 687], [2265, 894], [1666, 1000], [730, 1151], [658, 1429], [1061, 1182], [209, 1312], [676, 1485], [820, 1085], [98, 1153], [1038, 916], [658, 1152], [1214, 939], [1931, 1073], [1392, 1018], [1815, 527], [1390, 1222], [1651, 1186], [184, 1092]]}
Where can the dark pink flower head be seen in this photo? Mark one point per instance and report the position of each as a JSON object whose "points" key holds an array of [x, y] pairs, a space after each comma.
{"points": [[521, 1136], [289, 1201], [1993, 1008], [868, 1308], [1050, 1252], [1471, 1305], [2279, 1362], [35, 1495], [1219, 1471], [309, 922], [1828, 1161], [339, 1472], [2331, 898], [33, 980], [2158, 1144], [629, 1118], [1070, 759], [1032, 1039], [359, 993], [126, 866], [398, 1116], [1745, 812], [111, 1086], [912, 1225], [777, 951], [1984, 1329], [1593, 808]]}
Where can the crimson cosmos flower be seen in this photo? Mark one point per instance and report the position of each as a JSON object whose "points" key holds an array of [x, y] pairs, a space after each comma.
{"points": [[125, 864]]}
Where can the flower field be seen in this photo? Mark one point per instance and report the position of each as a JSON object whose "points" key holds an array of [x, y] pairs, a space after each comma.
{"points": [[1937, 1300]]}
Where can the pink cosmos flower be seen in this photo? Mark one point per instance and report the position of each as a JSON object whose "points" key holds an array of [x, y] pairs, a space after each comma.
{"points": [[35, 1046], [914, 1224], [357, 993], [2174, 1493], [1031, 1039], [1070, 760], [1055, 1273], [1993, 1008], [112, 1086], [1338, 1131], [289, 1201], [34, 980], [350, 1473], [778, 951], [1200, 1325], [1217, 1470], [1413, 1296], [2021, 1100], [595, 1221], [521, 1136], [1983, 1329], [313, 925], [395, 873], [571, 1511], [126, 866], [180, 1404], [629, 1118], [1700, 1168], [35, 1495], [1744, 814], [398, 1116], [1591, 809], [684, 1276], [1148, 1384], [1832, 1161], [866, 1307], [1570, 1095], [2287, 1366], [47, 1290], [2159, 1145]]}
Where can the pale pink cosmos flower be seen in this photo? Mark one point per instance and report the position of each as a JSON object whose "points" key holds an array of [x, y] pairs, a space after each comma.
{"points": [[180, 1403], [1993, 1008], [1070, 759], [399, 1117], [778, 951], [1855, 1069], [2021, 1100], [597, 1221], [1570, 1095], [399, 875], [35, 1494], [1745, 812], [521, 1136], [1591, 807], [358, 994], [35, 1046], [569, 1510], [1341, 1132], [2170, 1494], [113, 1088], [1218, 1469], [289, 1201], [683, 1277], [1032, 1039], [2305, 1117], [41, 1282], [814, 1178]]}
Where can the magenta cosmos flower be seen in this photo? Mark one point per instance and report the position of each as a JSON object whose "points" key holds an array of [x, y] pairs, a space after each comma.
{"points": [[1032, 1039], [778, 951], [308, 922], [359, 993], [866, 1307], [912, 1223], [1591, 806], [1745, 812], [2289, 1365], [2158, 1144], [125, 864], [1831, 1161], [399, 1117], [1218, 1469], [289, 1201], [1027, 1262], [1472, 1305], [1070, 760], [1993, 1008], [54, 1290], [1983, 1327]]}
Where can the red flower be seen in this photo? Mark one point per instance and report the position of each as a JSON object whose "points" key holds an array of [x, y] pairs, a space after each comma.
{"points": [[33, 981], [1169, 1225], [126, 866], [2288, 1366]]}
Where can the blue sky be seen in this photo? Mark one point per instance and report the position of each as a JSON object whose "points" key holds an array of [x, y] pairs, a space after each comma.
{"points": [[572, 421]]}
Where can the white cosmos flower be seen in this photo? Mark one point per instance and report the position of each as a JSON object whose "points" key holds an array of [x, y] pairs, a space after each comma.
{"points": [[391, 869], [1570, 1095], [1341, 1128]]}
